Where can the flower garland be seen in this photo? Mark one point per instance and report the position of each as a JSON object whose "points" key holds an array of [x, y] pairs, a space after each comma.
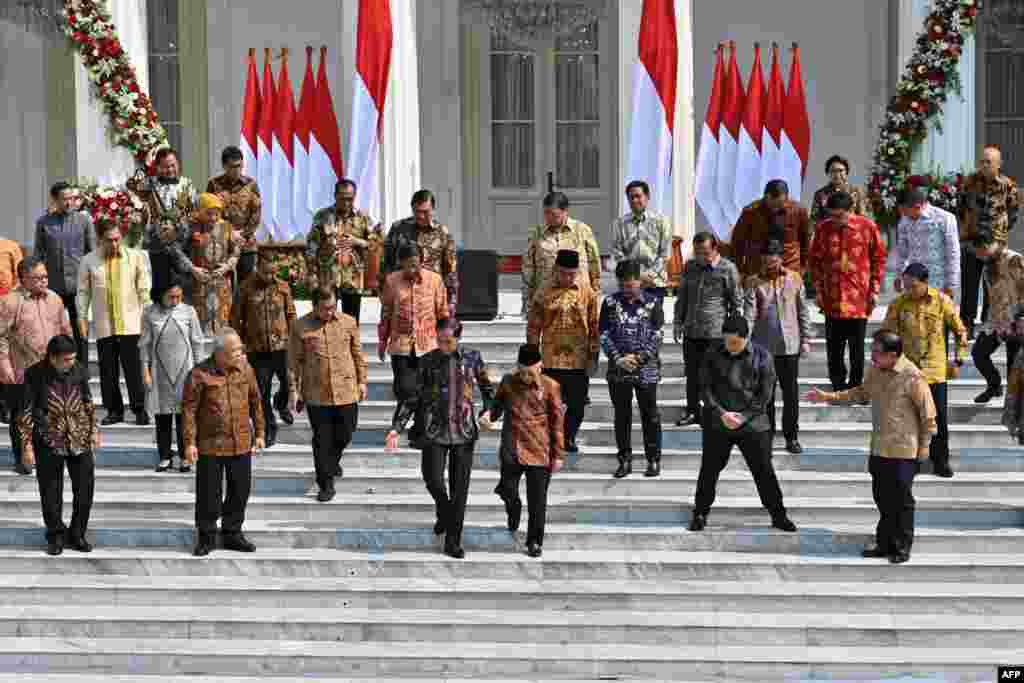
{"points": [[930, 75], [115, 205], [134, 123]]}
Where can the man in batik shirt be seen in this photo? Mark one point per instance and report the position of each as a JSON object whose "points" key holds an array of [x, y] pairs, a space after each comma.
{"points": [[337, 248], [645, 237], [436, 247], [1004, 277], [563, 321], [242, 206], [170, 198]]}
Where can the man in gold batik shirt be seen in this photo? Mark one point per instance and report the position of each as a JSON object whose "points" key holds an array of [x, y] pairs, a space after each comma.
{"points": [[242, 207]]}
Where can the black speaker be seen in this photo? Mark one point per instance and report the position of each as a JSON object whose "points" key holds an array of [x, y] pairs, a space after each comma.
{"points": [[478, 288]]}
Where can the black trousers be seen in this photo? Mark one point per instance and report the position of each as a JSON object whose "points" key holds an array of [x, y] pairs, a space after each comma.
{"points": [[403, 368], [116, 353], [246, 265], [650, 416], [984, 346], [970, 281], [351, 302], [693, 354], [267, 365], [939, 449], [212, 502], [840, 333], [81, 342], [575, 385], [892, 481], [449, 507], [787, 370], [164, 424], [538, 478], [50, 475], [333, 427], [14, 394], [756, 448]]}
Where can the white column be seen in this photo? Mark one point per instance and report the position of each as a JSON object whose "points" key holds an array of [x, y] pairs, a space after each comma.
{"points": [[400, 148], [98, 157], [953, 148]]}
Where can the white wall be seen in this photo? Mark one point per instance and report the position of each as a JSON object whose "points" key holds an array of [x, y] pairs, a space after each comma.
{"points": [[23, 112], [844, 55], [234, 26]]}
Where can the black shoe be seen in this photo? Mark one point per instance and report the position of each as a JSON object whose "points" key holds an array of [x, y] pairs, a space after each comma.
{"points": [[794, 447], [183, 468], [455, 551], [326, 494], [55, 547], [271, 441], [5, 417], [698, 523], [203, 547], [533, 550], [944, 471], [439, 528], [688, 420], [784, 524], [22, 468], [514, 511], [238, 543], [142, 418], [989, 394], [287, 417], [112, 420], [653, 467], [899, 557], [164, 465], [80, 544], [625, 466], [874, 551]]}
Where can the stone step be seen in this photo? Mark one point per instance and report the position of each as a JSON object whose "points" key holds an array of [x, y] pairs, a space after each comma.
{"points": [[363, 511], [591, 459], [834, 540], [386, 480], [114, 678], [480, 659], [658, 581], [350, 626]]}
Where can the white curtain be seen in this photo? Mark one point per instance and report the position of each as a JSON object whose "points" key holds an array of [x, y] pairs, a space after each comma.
{"points": [[954, 148], [401, 144], [98, 157]]}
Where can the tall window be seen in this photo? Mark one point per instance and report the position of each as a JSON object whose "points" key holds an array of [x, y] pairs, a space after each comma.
{"points": [[1003, 119], [513, 114], [577, 117], [162, 29]]}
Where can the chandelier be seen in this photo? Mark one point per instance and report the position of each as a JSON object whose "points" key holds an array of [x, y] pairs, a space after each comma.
{"points": [[38, 16], [1003, 21], [525, 21]]}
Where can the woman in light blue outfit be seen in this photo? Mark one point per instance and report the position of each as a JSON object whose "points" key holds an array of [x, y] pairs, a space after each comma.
{"points": [[170, 346]]}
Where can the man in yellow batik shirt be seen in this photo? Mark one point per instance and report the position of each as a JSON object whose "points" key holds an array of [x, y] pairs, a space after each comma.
{"points": [[563, 321], [921, 316]]}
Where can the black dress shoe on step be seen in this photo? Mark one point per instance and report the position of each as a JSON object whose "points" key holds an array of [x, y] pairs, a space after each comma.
{"points": [[794, 447], [203, 547], [142, 418], [698, 523], [514, 512], [989, 394], [899, 558], [112, 420], [22, 469], [55, 547], [79, 544], [944, 471], [533, 550], [325, 495], [653, 468], [287, 417], [455, 551], [238, 543], [687, 420], [784, 524], [625, 468], [874, 551]]}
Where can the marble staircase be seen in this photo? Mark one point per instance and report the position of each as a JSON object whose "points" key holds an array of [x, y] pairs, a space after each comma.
{"points": [[357, 589]]}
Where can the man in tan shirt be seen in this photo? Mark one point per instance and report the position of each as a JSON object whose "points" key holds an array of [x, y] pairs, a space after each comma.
{"points": [[328, 369], [903, 416]]}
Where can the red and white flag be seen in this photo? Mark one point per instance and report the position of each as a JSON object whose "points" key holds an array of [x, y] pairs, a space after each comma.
{"points": [[705, 183], [302, 212], [374, 41], [325, 168], [796, 131], [283, 153], [771, 154], [654, 103], [728, 140], [748, 155], [251, 118], [265, 146]]}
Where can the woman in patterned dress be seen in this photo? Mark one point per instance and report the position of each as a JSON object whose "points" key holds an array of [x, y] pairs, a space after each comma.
{"points": [[214, 254], [170, 347]]}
